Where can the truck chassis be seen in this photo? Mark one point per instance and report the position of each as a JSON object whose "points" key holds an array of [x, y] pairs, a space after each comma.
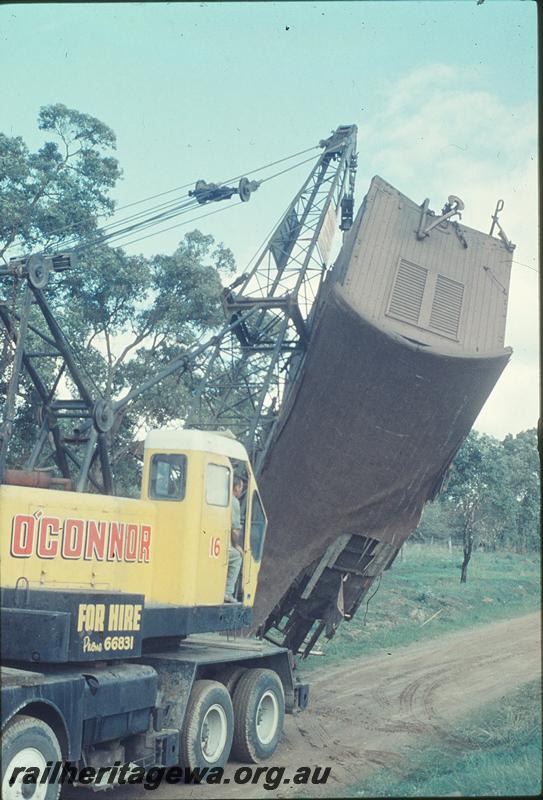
{"points": [[192, 705]]}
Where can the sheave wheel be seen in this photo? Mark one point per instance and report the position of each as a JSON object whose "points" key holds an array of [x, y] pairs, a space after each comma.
{"points": [[28, 742], [259, 713], [207, 733]]}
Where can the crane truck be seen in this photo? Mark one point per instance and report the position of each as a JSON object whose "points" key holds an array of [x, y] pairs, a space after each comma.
{"points": [[112, 615], [402, 346], [113, 608]]}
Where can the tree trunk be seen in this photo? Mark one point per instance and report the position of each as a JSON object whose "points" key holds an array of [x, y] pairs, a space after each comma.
{"points": [[468, 547]]}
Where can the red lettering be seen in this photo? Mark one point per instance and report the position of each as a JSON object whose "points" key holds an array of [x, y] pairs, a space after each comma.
{"points": [[72, 543], [22, 535], [131, 542], [116, 541], [96, 541], [49, 526], [145, 543], [127, 541]]}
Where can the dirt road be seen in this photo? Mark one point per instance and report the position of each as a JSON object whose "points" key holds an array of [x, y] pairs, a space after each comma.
{"points": [[366, 713]]}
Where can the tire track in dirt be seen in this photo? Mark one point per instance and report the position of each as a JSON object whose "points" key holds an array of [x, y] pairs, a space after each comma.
{"points": [[369, 712]]}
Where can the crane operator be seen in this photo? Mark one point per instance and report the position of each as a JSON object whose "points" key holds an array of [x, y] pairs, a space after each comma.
{"points": [[235, 551]]}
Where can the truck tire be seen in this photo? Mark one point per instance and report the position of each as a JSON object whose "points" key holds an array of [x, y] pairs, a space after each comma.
{"points": [[206, 738], [28, 742], [230, 677], [259, 713]]}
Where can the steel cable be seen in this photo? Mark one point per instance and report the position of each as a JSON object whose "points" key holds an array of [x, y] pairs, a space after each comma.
{"points": [[175, 200], [164, 216]]}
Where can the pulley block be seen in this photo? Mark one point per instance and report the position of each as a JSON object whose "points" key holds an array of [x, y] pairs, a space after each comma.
{"points": [[38, 271], [103, 415]]}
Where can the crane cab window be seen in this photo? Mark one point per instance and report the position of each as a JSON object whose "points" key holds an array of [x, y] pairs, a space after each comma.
{"points": [[217, 485], [258, 528], [168, 476]]}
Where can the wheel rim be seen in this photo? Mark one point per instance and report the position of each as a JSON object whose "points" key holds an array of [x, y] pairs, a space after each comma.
{"points": [[214, 733], [267, 717], [25, 758]]}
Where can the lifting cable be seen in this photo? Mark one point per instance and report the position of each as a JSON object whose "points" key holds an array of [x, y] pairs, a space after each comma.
{"points": [[164, 216], [181, 200], [192, 203], [228, 180], [179, 224], [167, 213]]}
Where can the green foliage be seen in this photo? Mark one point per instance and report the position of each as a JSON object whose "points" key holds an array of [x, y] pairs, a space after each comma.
{"points": [[493, 492], [124, 316], [59, 191], [437, 524], [524, 484], [500, 756]]}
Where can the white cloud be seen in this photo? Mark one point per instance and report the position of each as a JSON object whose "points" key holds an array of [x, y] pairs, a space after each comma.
{"points": [[439, 133], [514, 404]]}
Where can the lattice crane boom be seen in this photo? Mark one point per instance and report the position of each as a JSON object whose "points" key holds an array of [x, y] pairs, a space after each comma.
{"points": [[244, 368], [245, 381]]}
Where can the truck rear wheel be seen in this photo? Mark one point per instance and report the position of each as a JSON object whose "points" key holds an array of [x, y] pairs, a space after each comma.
{"points": [[28, 742], [230, 677], [259, 713], [206, 738]]}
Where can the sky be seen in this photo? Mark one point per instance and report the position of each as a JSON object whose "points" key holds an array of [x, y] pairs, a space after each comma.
{"points": [[444, 95]]}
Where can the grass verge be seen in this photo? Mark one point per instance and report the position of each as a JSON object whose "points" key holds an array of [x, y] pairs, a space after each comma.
{"points": [[421, 597], [496, 752]]}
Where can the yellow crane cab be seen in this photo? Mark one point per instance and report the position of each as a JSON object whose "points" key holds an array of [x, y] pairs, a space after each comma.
{"points": [[135, 569], [101, 597], [188, 477]]}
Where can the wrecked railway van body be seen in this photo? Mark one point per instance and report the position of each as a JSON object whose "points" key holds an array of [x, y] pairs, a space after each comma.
{"points": [[407, 343]]}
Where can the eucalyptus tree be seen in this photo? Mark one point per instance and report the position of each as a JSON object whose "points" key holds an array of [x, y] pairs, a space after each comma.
{"points": [[124, 315]]}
